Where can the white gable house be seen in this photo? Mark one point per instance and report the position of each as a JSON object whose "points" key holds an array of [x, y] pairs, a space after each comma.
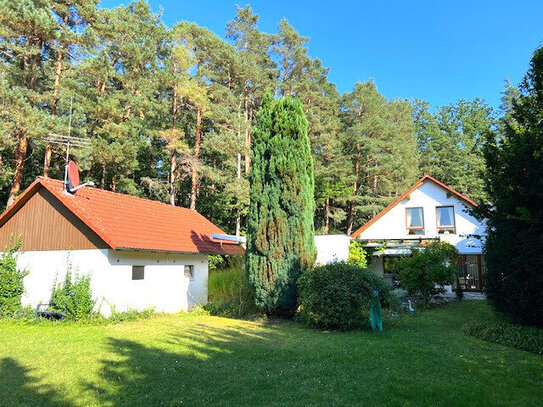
{"points": [[429, 210]]}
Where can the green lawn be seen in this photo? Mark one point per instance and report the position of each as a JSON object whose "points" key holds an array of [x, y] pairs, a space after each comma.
{"points": [[198, 360]]}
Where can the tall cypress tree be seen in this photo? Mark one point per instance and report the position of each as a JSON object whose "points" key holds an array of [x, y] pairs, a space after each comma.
{"points": [[280, 231], [514, 183]]}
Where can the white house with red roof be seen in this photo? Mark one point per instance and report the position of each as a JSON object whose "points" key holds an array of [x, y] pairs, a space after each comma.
{"points": [[138, 253], [428, 210]]}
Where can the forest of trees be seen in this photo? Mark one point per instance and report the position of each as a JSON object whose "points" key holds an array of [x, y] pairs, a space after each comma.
{"points": [[169, 113]]}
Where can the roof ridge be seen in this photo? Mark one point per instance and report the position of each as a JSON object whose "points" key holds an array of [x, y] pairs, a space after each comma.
{"points": [[401, 197], [126, 195], [451, 189], [125, 221]]}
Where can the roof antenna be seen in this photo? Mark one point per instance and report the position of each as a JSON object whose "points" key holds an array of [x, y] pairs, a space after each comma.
{"points": [[71, 172]]}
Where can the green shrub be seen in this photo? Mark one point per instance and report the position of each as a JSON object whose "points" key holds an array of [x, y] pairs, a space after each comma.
{"points": [[425, 272], [11, 281], [221, 262], [229, 293], [130, 315], [338, 295], [504, 333], [73, 296], [357, 255], [25, 313]]}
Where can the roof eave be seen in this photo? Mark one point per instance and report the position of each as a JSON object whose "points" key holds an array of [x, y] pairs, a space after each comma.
{"points": [[81, 216], [139, 249], [20, 201], [400, 198]]}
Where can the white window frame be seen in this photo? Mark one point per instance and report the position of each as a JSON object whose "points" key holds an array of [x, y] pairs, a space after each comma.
{"points": [[191, 271], [444, 228]]}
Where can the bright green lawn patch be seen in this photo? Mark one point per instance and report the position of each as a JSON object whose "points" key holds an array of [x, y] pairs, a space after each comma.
{"points": [[198, 360]]}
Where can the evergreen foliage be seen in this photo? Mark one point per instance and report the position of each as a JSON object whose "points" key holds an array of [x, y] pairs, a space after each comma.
{"points": [[451, 141], [381, 148], [514, 184], [521, 337], [280, 235], [11, 281], [170, 113], [338, 295]]}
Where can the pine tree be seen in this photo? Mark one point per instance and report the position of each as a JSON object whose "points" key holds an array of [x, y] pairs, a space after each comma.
{"points": [[74, 39], [451, 142], [307, 80], [118, 92], [280, 242], [381, 144], [514, 184], [27, 30], [256, 71]]}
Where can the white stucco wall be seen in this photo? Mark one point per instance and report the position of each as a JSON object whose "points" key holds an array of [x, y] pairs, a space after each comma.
{"points": [[164, 286], [429, 195], [332, 248]]}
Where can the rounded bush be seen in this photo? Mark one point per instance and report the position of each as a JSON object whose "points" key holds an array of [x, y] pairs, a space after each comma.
{"points": [[338, 295]]}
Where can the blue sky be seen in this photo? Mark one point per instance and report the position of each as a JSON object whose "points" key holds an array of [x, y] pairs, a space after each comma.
{"points": [[439, 51]]}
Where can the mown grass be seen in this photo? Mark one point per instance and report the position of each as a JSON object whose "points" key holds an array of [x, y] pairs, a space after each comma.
{"points": [[199, 360]]}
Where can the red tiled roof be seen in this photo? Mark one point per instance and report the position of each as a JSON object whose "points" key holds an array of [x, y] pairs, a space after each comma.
{"points": [[400, 198], [128, 222]]}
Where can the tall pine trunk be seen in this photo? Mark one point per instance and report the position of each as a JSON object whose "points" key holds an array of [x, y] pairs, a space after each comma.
{"points": [[352, 211], [238, 218], [20, 155], [173, 158], [326, 216], [54, 104], [173, 165], [194, 177], [247, 137]]}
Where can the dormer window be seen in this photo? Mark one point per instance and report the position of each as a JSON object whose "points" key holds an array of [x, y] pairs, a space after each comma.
{"points": [[445, 220], [414, 221]]}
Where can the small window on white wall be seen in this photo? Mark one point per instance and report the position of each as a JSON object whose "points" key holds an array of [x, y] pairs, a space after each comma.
{"points": [[138, 272], [189, 272], [414, 221], [445, 219]]}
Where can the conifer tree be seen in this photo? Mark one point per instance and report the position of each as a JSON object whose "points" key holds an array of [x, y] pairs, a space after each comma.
{"points": [[380, 142], [256, 70], [280, 234], [307, 80], [27, 29], [451, 144], [514, 184], [118, 86]]}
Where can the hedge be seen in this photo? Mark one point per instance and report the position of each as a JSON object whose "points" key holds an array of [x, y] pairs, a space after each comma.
{"points": [[504, 333]]}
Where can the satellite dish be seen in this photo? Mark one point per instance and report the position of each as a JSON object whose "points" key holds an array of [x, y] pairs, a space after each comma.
{"points": [[73, 176]]}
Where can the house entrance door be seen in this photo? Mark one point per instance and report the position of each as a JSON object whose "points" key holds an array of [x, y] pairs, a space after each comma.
{"points": [[470, 272]]}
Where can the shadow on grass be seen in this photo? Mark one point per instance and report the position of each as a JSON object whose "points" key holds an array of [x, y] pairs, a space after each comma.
{"points": [[21, 389], [197, 366]]}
